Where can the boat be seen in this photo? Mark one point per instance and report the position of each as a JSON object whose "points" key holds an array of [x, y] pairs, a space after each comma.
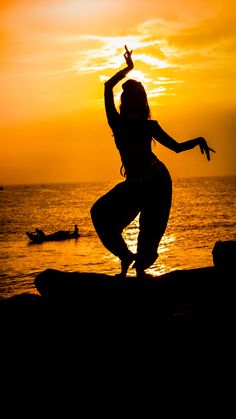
{"points": [[40, 237]]}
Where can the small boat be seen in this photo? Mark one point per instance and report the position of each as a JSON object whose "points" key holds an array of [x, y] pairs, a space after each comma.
{"points": [[36, 237]]}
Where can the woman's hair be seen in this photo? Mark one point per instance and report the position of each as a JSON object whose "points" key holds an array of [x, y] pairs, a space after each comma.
{"points": [[134, 100]]}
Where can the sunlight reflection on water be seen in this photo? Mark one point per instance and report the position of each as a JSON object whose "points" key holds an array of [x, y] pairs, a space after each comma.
{"points": [[130, 235]]}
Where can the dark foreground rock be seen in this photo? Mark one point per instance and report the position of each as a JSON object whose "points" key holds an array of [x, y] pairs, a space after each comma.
{"points": [[77, 299], [171, 294], [95, 320], [196, 293], [193, 293], [224, 256]]}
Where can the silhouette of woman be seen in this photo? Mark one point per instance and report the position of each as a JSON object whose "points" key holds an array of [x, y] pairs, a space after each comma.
{"points": [[147, 189]]}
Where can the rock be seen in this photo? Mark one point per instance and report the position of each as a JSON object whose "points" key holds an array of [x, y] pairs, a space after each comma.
{"points": [[173, 294], [78, 298], [224, 256]]}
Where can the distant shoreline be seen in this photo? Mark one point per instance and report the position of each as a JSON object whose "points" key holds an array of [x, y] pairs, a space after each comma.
{"points": [[106, 181]]}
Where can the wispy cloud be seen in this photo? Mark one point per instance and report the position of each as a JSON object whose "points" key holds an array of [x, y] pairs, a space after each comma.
{"points": [[161, 47], [150, 55], [158, 45]]}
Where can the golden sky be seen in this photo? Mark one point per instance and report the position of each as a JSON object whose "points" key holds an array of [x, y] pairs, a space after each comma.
{"points": [[56, 55]]}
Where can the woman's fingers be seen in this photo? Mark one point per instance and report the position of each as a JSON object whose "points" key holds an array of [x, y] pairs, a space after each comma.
{"points": [[205, 149], [207, 153], [127, 51]]}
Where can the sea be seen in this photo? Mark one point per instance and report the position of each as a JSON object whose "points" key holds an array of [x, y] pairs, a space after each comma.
{"points": [[203, 212]]}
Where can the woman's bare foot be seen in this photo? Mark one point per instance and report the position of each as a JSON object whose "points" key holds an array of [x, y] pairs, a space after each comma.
{"points": [[141, 274], [125, 264]]}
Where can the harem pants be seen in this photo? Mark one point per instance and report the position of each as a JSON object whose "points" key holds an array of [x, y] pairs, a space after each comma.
{"points": [[151, 198]]}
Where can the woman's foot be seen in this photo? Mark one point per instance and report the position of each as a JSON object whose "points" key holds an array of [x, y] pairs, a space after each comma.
{"points": [[144, 262], [141, 274], [125, 264]]}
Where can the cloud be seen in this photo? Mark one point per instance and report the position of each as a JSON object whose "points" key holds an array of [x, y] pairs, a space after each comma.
{"points": [[161, 43], [168, 50], [109, 53]]}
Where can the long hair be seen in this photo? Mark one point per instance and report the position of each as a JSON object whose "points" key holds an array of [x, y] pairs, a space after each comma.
{"points": [[134, 100]]}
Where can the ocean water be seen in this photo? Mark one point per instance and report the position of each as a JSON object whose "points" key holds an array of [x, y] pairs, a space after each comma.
{"points": [[203, 212]]}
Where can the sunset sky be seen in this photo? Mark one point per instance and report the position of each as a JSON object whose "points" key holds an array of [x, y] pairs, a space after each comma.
{"points": [[56, 55]]}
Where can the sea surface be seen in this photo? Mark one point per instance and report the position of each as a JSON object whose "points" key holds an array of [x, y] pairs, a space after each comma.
{"points": [[203, 212]]}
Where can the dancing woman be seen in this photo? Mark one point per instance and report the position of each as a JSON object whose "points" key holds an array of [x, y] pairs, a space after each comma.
{"points": [[147, 189]]}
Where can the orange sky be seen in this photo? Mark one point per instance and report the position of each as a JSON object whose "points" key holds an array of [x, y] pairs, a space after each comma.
{"points": [[56, 55]]}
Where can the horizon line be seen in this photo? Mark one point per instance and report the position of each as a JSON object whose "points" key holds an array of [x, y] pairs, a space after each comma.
{"points": [[3, 185]]}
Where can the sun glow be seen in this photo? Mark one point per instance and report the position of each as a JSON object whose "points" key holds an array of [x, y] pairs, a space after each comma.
{"points": [[57, 10]]}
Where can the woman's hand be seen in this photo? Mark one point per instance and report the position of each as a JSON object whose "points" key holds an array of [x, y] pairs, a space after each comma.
{"points": [[204, 147], [128, 58]]}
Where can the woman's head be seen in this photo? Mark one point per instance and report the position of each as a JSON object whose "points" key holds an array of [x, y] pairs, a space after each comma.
{"points": [[134, 100]]}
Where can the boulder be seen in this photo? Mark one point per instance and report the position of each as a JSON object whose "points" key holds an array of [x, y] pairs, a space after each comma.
{"points": [[169, 295], [224, 256]]}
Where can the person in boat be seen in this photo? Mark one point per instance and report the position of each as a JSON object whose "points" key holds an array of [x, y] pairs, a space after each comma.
{"points": [[40, 233], [147, 190], [76, 231]]}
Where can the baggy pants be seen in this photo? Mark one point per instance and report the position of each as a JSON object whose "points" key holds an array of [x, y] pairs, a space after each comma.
{"points": [[151, 198]]}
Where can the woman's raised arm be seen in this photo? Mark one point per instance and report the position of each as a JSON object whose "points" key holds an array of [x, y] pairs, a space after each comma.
{"points": [[111, 111]]}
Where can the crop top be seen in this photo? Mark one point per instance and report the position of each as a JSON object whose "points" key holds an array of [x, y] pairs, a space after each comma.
{"points": [[133, 138]]}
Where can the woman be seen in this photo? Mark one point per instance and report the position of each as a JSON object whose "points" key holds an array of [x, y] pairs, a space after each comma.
{"points": [[147, 189]]}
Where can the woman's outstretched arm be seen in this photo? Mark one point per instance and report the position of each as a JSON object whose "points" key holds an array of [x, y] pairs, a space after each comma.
{"points": [[109, 84], [163, 138], [199, 141]]}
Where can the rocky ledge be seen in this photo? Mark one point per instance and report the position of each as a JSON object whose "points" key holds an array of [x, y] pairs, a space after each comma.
{"points": [[202, 293]]}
